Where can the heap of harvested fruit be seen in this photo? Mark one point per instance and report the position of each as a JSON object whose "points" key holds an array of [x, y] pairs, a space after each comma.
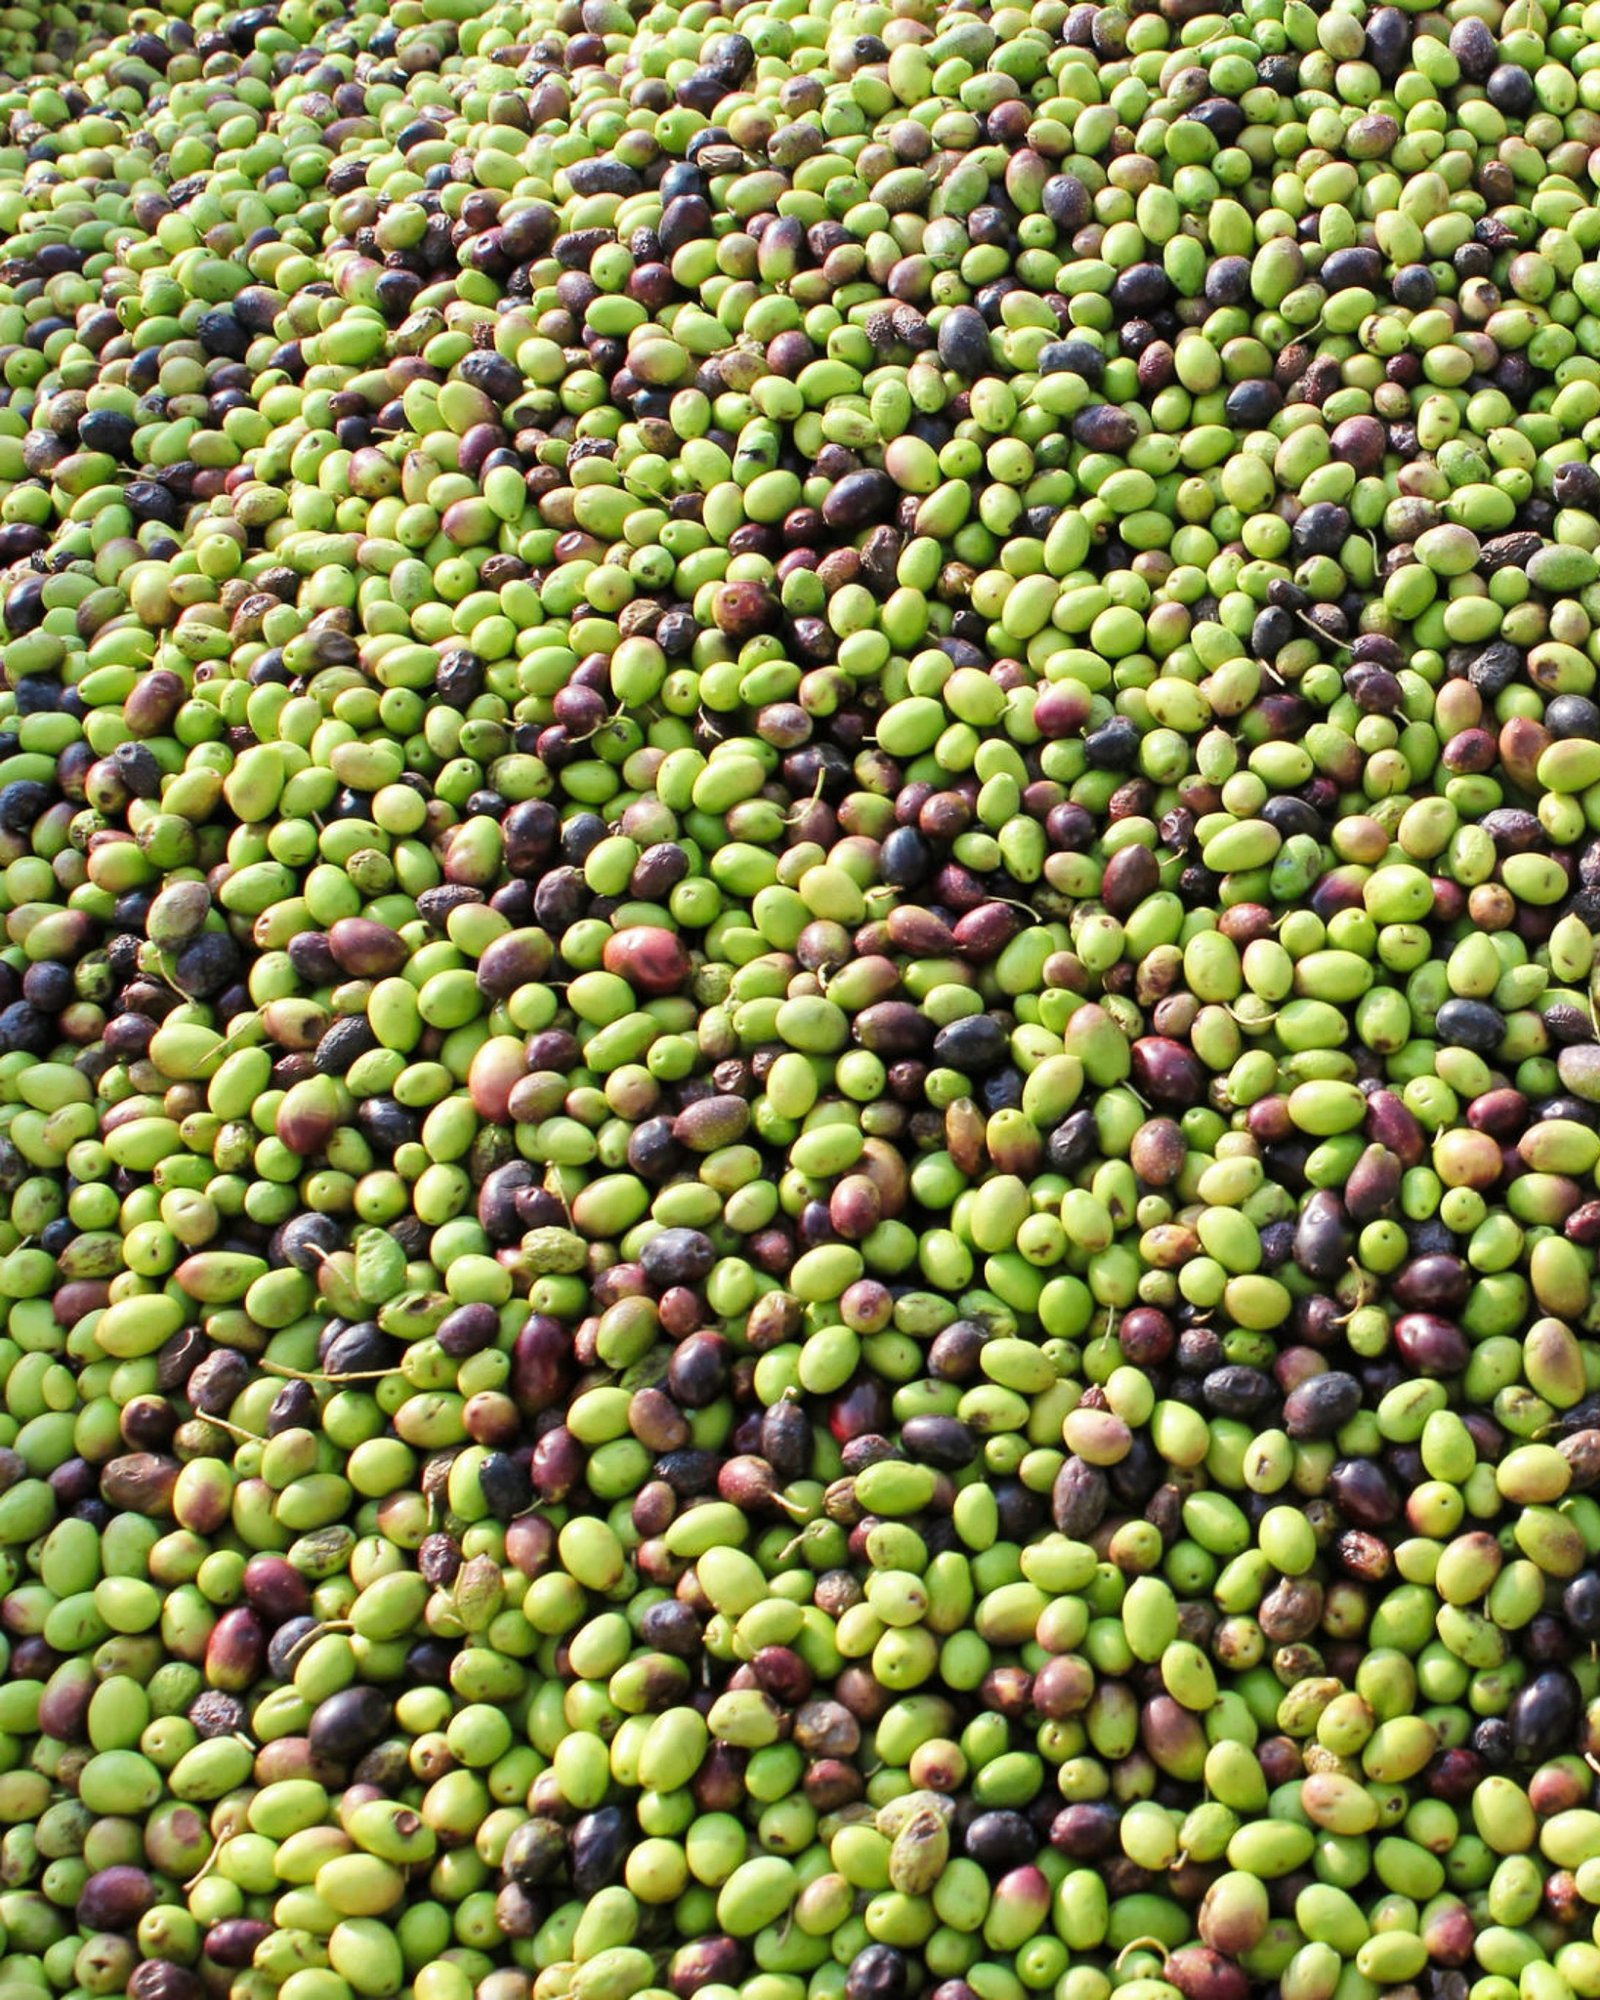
{"points": [[799, 1092]]}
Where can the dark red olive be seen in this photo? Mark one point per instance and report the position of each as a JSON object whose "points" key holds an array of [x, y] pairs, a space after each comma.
{"points": [[1374, 1184], [161, 1979], [1432, 1284], [1431, 1344], [1390, 1122], [539, 1363], [530, 1543], [1199, 1973], [781, 1673], [1361, 1491], [233, 1942], [1167, 1072], [367, 950], [557, 1464], [275, 1588], [707, 1961], [236, 1650], [652, 960]]}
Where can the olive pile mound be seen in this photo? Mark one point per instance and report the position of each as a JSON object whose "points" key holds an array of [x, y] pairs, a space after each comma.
{"points": [[799, 1097]]}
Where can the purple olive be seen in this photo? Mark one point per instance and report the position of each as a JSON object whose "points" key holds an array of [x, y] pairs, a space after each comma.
{"points": [[115, 1899], [233, 1942], [1431, 1344]]}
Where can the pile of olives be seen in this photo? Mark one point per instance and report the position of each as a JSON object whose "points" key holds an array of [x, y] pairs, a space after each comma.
{"points": [[799, 1088]]}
